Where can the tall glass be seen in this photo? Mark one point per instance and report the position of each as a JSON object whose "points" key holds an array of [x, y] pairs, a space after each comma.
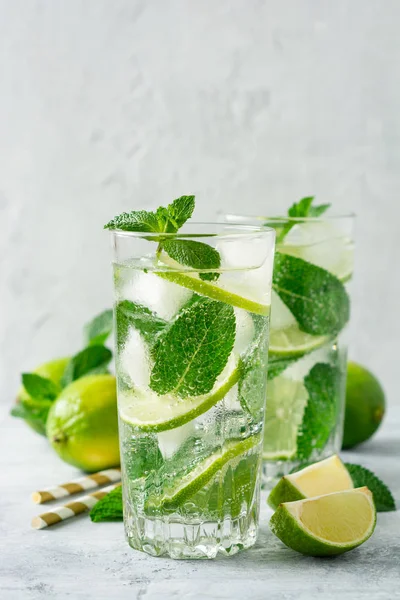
{"points": [[191, 361], [308, 340]]}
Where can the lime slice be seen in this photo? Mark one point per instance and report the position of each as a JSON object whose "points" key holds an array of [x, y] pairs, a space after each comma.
{"points": [[286, 401], [324, 477], [291, 342], [214, 291], [182, 488], [326, 525], [152, 412]]}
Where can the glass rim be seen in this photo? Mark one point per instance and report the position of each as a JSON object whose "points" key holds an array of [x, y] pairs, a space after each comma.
{"points": [[227, 230], [283, 219]]}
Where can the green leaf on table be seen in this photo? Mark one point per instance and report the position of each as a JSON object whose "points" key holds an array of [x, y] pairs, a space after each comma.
{"points": [[92, 360], [322, 384], [361, 476], [316, 298], [109, 508], [36, 411], [131, 315], [196, 255], [40, 388], [300, 210], [98, 329], [163, 220], [194, 349]]}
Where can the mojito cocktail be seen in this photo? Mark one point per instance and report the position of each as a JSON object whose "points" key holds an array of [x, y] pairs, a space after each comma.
{"points": [[191, 317], [308, 343]]}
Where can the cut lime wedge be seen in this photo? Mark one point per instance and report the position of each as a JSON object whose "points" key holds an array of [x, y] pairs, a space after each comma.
{"points": [[291, 342], [326, 525], [151, 412], [323, 477], [214, 291], [286, 400], [182, 488]]}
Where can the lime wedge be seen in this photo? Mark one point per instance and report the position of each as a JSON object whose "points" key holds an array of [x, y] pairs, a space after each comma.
{"points": [[286, 400], [326, 525], [291, 342], [181, 488], [324, 477], [152, 412], [214, 291]]}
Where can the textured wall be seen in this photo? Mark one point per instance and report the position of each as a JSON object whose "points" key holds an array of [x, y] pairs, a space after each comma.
{"points": [[107, 105]]}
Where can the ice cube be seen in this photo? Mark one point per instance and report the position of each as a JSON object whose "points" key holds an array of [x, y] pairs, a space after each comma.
{"points": [[248, 265], [298, 370], [135, 361], [281, 317], [244, 331], [170, 441], [159, 295]]}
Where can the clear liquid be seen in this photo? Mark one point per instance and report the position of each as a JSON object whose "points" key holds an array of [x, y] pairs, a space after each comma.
{"points": [[190, 490]]}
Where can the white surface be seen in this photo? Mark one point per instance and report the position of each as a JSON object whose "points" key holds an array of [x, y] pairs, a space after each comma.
{"points": [[109, 105], [80, 559]]}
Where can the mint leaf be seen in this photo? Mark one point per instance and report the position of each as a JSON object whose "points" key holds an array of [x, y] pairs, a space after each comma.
{"points": [[361, 476], [40, 388], [253, 381], [129, 314], [196, 255], [109, 508], [98, 329], [316, 298], [163, 220], [322, 384], [34, 412], [180, 210], [91, 360], [194, 349], [299, 211]]}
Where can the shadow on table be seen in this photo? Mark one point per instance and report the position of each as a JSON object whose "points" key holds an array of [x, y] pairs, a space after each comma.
{"points": [[379, 447]]}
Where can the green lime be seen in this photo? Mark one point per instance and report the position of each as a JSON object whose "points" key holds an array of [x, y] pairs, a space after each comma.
{"points": [[326, 525], [151, 412], [365, 405], [291, 342], [53, 370], [324, 477], [82, 425], [216, 292], [180, 489], [286, 400]]}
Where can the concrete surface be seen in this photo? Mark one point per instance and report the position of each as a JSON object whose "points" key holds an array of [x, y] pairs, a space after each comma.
{"points": [[80, 559], [110, 105]]}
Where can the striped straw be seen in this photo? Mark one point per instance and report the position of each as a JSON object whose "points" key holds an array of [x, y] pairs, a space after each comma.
{"points": [[82, 484], [62, 513]]}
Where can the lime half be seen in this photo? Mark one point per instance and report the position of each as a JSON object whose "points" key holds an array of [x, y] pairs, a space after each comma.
{"points": [[216, 292], [151, 412], [286, 401], [291, 342], [324, 477], [182, 488], [326, 525]]}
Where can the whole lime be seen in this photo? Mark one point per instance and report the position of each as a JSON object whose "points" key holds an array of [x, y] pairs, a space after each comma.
{"points": [[82, 425], [365, 405], [53, 370]]}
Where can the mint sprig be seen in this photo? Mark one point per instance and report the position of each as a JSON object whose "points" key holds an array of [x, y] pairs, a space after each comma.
{"points": [[184, 364], [90, 361], [109, 508], [40, 388], [361, 476], [167, 220], [42, 393], [300, 210], [320, 412], [130, 314], [97, 331], [316, 298]]}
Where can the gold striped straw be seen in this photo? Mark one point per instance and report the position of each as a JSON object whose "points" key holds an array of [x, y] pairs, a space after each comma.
{"points": [[62, 513], [82, 484]]}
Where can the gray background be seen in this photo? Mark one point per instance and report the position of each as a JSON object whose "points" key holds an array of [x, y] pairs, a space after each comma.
{"points": [[110, 105]]}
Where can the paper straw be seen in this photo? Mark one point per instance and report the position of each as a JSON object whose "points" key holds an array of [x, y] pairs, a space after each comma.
{"points": [[62, 513], [82, 484]]}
